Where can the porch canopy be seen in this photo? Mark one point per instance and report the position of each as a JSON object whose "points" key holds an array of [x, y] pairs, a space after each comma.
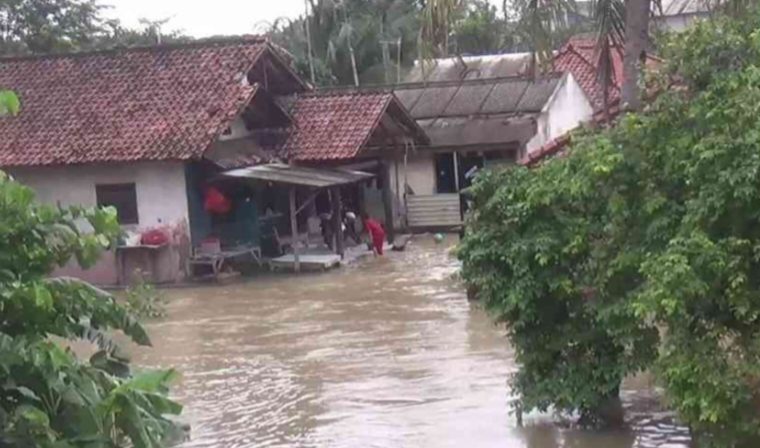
{"points": [[316, 179], [300, 175]]}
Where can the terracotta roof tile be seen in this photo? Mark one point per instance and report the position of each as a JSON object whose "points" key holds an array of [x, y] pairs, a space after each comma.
{"points": [[334, 125], [159, 103], [550, 149], [578, 58]]}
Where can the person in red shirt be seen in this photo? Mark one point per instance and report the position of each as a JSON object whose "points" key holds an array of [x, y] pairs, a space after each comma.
{"points": [[376, 233]]}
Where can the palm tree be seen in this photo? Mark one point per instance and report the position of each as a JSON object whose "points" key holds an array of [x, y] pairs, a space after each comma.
{"points": [[435, 29], [618, 24], [637, 13]]}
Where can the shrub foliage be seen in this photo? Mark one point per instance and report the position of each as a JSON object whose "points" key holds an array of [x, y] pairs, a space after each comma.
{"points": [[640, 249], [49, 397]]}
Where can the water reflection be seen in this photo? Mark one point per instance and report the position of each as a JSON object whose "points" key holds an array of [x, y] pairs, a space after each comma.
{"points": [[387, 353]]}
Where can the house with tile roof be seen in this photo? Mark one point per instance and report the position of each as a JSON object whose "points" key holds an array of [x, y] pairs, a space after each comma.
{"points": [[150, 131], [578, 56]]}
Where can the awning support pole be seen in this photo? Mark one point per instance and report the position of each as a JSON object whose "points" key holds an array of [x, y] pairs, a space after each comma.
{"points": [[388, 201], [308, 201], [337, 221], [455, 155], [406, 183], [294, 230]]}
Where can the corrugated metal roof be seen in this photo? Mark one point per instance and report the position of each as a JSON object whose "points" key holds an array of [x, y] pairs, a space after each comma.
{"points": [[229, 154], [299, 175], [678, 7], [472, 67], [505, 96], [506, 132]]}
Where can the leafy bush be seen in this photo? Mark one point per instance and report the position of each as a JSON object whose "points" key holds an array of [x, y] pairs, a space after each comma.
{"points": [[48, 397], [143, 301], [641, 248]]}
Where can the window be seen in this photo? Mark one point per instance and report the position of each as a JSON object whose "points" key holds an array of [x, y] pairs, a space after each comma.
{"points": [[123, 197]]}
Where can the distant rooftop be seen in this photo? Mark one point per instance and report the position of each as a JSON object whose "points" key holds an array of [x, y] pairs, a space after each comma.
{"points": [[472, 67], [679, 7]]}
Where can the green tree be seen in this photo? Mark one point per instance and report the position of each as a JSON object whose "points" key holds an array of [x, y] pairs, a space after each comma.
{"points": [[352, 39], [47, 26], [48, 397], [481, 30], [639, 248], [58, 26], [374, 41], [150, 32]]}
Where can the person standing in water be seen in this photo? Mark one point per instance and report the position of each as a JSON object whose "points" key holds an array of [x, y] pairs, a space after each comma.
{"points": [[376, 233]]}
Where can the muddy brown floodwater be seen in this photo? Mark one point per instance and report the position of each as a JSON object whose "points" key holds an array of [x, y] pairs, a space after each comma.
{"points": [[385, 353]]}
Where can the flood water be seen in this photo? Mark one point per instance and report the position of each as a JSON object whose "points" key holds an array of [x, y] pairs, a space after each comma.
{"points": [[385, 353]]}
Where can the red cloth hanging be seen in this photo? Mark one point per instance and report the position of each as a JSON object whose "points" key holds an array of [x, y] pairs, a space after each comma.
{"points": [[216, 202]]}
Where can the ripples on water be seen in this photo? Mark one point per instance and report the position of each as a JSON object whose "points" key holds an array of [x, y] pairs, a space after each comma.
{"points": [[386, 353]]}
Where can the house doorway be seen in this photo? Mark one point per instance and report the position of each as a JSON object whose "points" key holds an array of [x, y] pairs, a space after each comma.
{"points": [[455, 172]]}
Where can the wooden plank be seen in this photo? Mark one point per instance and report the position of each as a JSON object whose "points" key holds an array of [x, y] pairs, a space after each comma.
{"points": [[434, 210]]}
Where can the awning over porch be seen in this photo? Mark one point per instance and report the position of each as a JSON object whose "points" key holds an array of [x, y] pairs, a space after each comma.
{"points": [[300, 175]]}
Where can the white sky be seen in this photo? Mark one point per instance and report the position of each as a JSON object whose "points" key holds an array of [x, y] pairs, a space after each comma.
{"points": [[205, 17]]}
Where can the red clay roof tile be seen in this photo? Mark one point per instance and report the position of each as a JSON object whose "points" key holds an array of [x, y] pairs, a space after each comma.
{"points": [[578, 58], [334, 125], [160, 103]]}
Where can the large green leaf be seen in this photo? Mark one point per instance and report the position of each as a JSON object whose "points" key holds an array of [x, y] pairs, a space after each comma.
{"points": [[9, 103]]}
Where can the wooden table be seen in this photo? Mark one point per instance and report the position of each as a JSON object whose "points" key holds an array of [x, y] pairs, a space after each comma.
{"points": [[147, 252]]}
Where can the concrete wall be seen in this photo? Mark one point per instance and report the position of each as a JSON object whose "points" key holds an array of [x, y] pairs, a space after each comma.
{"points": [[567, 109], [161, 202]]}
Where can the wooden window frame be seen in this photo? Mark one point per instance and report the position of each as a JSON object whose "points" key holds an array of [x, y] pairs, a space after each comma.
{"points": [[126, 206]]}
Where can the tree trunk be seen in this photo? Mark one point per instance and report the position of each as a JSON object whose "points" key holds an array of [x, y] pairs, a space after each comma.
{"points": [[309, 52], [353, 63], [636, 42]]}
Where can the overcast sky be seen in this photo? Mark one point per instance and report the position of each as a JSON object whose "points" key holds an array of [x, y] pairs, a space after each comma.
{"points": [[202, 18], [206, 17]]}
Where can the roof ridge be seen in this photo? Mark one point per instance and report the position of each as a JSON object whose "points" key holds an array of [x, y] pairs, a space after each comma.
{"points": [[384, 88], [196, 43], [328, 92]]}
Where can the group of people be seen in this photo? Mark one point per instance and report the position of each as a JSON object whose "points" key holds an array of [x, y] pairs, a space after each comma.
{"points": [[373, 228]]}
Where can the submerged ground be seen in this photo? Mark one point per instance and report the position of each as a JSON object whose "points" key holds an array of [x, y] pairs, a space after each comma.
{"points": [[386, 353]]}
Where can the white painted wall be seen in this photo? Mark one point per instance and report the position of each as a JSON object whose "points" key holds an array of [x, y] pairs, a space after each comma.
{"points": [[238, 129], [677, 23], [420, 173], [567, 109], [161, 201], [161, 194]]}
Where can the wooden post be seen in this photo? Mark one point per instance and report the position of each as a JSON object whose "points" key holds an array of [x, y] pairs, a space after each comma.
{"points": [[387, 201], [406, 186], [337, 221], [294, 229], [456, 171], [396, 180]]}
